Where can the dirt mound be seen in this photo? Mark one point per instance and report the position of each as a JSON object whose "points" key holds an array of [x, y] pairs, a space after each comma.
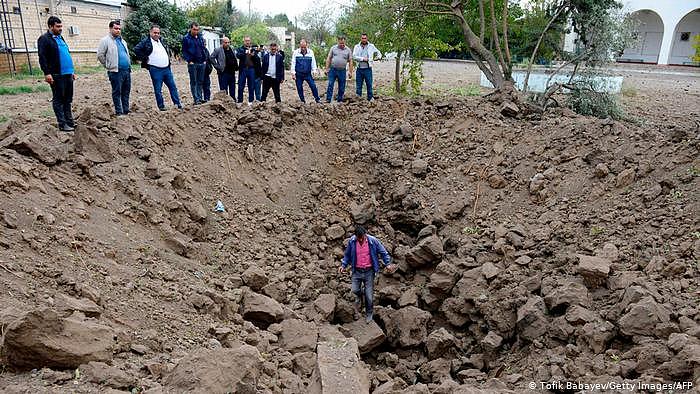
{"points": [[554, 248]]}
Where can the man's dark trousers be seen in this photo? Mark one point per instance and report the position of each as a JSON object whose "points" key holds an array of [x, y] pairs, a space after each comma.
{"points": [[301, 77], [227, 83], [268, 83], [246, 76], [62, 89], [121, 87], [196, 71], [340, 75]]}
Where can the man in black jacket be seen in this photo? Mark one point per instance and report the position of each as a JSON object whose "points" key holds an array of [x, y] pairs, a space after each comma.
{"points": [[273, 72], [248, 66], [57, 65], [155, 56]]}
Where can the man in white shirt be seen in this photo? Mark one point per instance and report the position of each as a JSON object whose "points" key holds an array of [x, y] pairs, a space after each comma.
{"points": [[273, 72], [154, 56], [364, 54]]}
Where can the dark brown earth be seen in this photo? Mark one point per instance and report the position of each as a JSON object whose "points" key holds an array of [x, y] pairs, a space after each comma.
{"points": [[560, 248]]}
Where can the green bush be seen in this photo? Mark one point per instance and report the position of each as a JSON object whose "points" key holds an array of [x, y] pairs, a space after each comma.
{"points": [[602, 105]]}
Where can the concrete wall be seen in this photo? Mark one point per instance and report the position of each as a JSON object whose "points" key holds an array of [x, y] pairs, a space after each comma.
{"points": [[682, 48]]}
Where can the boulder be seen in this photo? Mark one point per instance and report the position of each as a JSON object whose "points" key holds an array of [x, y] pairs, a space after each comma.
{"points": [[43, 145], [295, 335], [407, 326], [531, 320], [100, 373], [443, 278], [255, 278], [568, 293], [325, 306], [334, 232], [593, 269], [419, 167], [439, 343], [339, 369], [428, 251], [219, 370], [625, 178], [362, 213], [368, 336], [42, 338], [260, 309], [642, 317], [492, 341], [70, 304], [456, 310]]}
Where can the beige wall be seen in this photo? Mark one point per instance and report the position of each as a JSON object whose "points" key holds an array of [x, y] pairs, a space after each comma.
{"points": [[91, 19], [80, 59]]}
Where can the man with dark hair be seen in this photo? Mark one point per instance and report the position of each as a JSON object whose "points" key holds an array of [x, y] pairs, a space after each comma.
{"points": [[302, 68], [57, 65], [337, 63], [249, 66], [113, 54], [224, 61], [195, 54], [361, 255], [364, 54], [155, 56], [273, 72]]}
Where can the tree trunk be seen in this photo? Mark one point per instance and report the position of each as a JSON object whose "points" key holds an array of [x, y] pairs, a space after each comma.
{"points": [[484, 59], [397, 73], [509, 61], [497, 41]]}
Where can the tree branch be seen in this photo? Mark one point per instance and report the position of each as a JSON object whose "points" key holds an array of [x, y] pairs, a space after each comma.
{"points": [[505, 37], [497, 41], [560, 9], [482, 19]]}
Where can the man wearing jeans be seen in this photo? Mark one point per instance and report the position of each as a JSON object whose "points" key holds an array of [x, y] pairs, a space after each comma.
{"points": [[224, 61], [155, 57], [336, 67], [302, 67], [248, 66], [361, 255], [194, 53], [364, 54], [114, 56], [57, 65]]}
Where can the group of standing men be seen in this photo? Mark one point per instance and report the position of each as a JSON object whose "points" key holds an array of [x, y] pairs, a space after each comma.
{"points": [[258, 68]]}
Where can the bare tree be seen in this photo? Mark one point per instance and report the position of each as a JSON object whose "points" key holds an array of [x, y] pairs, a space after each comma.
{"points": [[319, 20]]}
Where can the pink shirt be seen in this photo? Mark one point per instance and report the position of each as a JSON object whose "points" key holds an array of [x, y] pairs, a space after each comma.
{"points": [[362, 254]]}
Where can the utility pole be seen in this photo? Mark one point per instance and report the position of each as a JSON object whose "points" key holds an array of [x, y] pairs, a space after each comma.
{"points": [[250, 15]]}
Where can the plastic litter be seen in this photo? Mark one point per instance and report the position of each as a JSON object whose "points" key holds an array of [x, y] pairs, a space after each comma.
{"points": [[219, 206]]}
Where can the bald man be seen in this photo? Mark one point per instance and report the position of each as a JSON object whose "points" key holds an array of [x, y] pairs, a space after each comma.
{"points": [[224, 61]]}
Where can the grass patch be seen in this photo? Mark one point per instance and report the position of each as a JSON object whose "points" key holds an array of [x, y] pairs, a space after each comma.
{"points": [[596, 231], [3, 118], [472, 230], [629, 91], [13, 90], [47, 113]]}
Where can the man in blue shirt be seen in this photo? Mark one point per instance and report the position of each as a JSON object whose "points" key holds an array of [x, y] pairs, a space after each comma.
{"points": [[195, 54], [114, 56], [56, 63]]}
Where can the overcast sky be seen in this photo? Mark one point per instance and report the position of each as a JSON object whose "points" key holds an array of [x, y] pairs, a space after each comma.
{"points": [[290, 7]]}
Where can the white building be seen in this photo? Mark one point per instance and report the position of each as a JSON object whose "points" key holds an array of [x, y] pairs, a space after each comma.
{"points": [[283, 38], [665, 31], [212, 37]]}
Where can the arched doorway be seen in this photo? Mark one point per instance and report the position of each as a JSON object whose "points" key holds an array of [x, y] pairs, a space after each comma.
{"points": [[649, 32], [682, 47]]}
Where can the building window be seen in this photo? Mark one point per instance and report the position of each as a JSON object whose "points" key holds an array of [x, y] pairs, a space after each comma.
{"points": [[16, 10], [73, 10], [685, 36]]}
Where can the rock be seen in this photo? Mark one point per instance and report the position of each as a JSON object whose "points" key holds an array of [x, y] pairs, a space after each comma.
{"points": [[339, 369], [325, 306], [408, 297], [643, 316], [90, 145], [419, 167], [178, 243], [42, 338], [508, 108], [303, 363], [70, 304], [9, 220], [362, 213], [406, 131], [594, 270], [296, 336], [523, 260], [436, 371], [531, 320], [492, 341], [306, 289], [597, 335], [394, 386], [625, 178], [139, 349], [456, 205], [260, 309], [489, 270], [601, 170], [255, 278], [407, 326], [439, 343], [497, 181], [568, 293], [197, 212], [456, 310], [443, 278], [216, 371], [652, 192], [537, 183], [105, 375], [334, 232], [428, 251], [43, 145], [368, 336]]}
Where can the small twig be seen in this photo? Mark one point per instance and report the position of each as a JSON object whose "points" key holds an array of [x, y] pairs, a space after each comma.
{"points": [[10, 271], [482, 176], [228, 162]]}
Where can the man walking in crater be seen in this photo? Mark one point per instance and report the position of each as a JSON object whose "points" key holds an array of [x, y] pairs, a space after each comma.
{"points": [[361, 255]]}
